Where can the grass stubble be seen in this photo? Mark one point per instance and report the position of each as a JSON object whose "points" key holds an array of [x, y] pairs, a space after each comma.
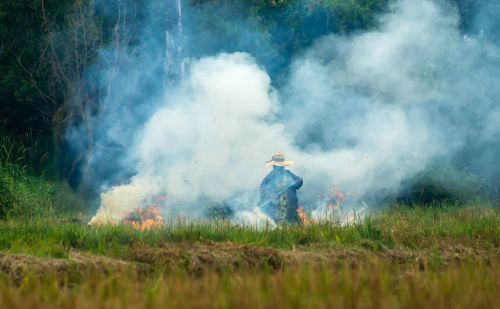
{"points": [[445, 257]]}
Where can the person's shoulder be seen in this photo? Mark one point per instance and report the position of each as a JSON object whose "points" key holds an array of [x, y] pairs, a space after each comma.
{"points": [[291, 173], [268, 176]]}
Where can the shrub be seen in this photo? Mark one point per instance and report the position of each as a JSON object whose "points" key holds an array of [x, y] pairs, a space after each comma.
{"points": [[441, 183], [7, 197]]}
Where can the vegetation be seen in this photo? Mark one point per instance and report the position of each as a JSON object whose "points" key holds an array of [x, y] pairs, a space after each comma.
{"points": [[441, 182], [26, 191], [20, 193], [444, 257], [47, 45], [411, 229], [370, 285]]}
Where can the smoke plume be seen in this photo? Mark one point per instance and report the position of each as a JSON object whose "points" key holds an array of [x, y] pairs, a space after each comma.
{"points": [[362, 112]]}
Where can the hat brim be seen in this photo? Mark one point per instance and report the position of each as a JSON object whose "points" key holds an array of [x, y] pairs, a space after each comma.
{"points": [[275, 163]]}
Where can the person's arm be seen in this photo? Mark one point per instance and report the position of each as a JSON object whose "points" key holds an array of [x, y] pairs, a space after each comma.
{"points": [[297, 180]]}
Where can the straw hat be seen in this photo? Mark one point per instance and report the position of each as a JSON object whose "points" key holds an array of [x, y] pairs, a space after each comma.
{"points": [[278, 160]]}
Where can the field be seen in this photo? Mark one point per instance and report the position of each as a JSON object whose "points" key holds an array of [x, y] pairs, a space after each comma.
{"points": [[440, 257]]}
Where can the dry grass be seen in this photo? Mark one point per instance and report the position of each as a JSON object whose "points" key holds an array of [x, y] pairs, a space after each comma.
{"points": [[375, 283], [199, 259], [228, 275]]}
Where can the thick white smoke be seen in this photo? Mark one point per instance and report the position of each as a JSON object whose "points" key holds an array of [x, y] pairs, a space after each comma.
{"points": [[374, 99], [210, 139], [362, 112]]}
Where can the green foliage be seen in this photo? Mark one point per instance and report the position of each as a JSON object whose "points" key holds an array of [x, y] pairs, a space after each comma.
{"points": [[273, 31], [25, 190], [355, 15], [441, 183], [19, 156], [23, 196], [26, 152], [7, 197], [27, 89]]}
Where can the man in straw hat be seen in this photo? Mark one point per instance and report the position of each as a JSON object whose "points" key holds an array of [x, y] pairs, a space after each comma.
{"points": [[278, 191]]}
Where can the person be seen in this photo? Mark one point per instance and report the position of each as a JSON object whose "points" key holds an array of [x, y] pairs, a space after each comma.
{"points": [[278, 191]]}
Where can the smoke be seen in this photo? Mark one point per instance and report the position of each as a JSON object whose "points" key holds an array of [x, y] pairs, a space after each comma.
{"points": [[395, 99], [379, 103], [363, 112], [208, 140], [213, 137]]}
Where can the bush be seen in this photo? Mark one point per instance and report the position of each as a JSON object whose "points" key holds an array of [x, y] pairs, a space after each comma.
{"points": [[20, 157], [22, 195], [441, 183], [7, 197]]}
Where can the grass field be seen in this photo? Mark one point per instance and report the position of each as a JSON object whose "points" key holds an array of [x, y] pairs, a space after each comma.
{"points": [[442, 257]]}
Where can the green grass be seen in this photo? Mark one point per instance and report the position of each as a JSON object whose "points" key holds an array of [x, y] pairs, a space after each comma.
{"points": [[407, 228]]}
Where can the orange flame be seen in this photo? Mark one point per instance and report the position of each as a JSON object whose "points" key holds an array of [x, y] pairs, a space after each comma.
{"points": [[338, 198], [302, 216], [146, 218], [338, 195]]}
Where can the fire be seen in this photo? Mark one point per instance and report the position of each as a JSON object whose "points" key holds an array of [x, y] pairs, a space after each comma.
{"points": [[143, 219], [146, 218], [339, 208], [337, 198], [302, 216]]}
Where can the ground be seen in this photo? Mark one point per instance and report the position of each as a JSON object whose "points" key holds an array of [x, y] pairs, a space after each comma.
{"points": [[442, 257]]}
